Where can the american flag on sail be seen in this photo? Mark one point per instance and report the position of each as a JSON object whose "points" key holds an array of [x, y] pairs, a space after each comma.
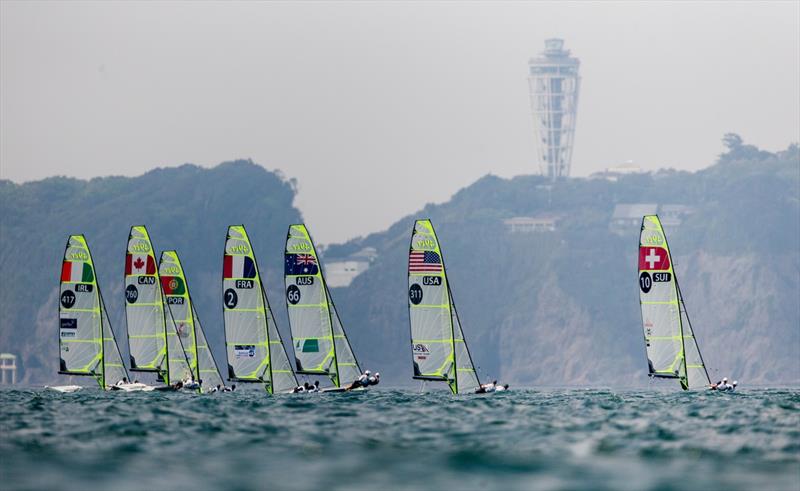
{"points": [[424, 262]]}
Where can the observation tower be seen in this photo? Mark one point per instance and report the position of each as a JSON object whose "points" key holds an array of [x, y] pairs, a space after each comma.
{"points": [[554, 82]]}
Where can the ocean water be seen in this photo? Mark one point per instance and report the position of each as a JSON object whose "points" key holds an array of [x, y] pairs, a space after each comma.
{"points": [[401, 439]]}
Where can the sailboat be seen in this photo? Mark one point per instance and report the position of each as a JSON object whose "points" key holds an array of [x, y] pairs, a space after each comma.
{"points": [[86, 339], [144, 306], [184, 331], [672, 349], [253, 343], [320, 344], [439, 349]]}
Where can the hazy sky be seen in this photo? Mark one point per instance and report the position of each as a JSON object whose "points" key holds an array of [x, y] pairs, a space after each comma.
{"points": [[379, 108]]}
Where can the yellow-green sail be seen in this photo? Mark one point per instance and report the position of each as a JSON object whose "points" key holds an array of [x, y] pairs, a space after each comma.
{"points": [[320, 344], [439, 350], [188, 332], [672, 349], [144, 305], [253, 344], [87, 345]]}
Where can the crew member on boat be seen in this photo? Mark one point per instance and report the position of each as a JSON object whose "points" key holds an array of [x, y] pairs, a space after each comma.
{"points": [[364, 380], [723, 385], [486, 388]]}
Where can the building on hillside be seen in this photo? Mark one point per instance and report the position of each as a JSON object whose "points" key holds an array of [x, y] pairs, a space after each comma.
{"points": [[553, 82], [673, 215], [8, 369], [341, 272], [627, 218], [614, 173], [526, 225]]}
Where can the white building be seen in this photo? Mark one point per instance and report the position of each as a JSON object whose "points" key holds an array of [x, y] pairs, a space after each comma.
{"points": [[627, 218], [341, 272], [526, 225]]}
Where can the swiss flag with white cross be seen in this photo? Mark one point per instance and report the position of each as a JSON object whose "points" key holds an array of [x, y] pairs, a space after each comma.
{"points": [[653, 258]]}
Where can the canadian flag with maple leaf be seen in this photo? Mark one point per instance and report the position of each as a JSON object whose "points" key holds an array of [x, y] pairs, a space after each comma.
{"points": [[136, 264]]}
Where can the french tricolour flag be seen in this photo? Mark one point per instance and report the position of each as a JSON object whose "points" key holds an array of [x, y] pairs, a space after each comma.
{"points": [[238, 267]]}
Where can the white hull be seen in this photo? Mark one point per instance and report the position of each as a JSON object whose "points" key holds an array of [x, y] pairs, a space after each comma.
{"points": [[65, 388], [136, 387]]}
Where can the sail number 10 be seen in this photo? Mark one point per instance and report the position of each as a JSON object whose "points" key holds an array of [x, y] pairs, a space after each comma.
{"points": [[646, 280]]}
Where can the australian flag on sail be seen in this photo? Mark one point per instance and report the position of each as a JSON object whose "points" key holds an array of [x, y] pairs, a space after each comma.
{"points": [[238, 267], [301, 264], [424, 262]]}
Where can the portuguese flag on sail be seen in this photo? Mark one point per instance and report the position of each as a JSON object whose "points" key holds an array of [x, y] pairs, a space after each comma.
{"points": [[173, 285], [76, 272]]}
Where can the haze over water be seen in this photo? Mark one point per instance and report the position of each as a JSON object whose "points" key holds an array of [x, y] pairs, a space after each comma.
{"points": [[390, 439]]}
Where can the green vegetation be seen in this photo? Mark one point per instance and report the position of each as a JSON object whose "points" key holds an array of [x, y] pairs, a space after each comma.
{"points": [[562, 307], [547, 308], [187, 208]]}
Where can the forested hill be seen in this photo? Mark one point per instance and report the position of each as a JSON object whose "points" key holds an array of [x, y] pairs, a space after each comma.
{"points": [[562, 307], [187, 208], [554, 307]]}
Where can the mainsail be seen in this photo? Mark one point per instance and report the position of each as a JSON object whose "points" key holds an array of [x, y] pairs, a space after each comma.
{"points": [[144, 306], [253, 344], [185, 333], [320, 343], [86, 340], [439, 350], [672, 350]]}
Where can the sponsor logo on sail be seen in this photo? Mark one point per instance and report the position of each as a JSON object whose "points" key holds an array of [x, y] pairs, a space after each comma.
{"points": [[239, 249], [244, 350]]}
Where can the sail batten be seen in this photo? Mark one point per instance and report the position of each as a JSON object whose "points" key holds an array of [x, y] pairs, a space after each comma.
{"points": [[672, 349], [254, 348], [439, 350], [320, 344]]}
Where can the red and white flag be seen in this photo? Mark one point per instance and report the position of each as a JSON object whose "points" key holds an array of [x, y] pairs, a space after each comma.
{"points": [[653, 258], [136, 264]]}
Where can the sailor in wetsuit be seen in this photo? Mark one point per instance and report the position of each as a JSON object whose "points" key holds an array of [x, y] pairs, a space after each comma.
{"points": [[363, 380], [486, 388]]}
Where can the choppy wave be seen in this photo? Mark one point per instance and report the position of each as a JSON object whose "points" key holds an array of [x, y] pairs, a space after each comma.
{"points": [[389, 439]]}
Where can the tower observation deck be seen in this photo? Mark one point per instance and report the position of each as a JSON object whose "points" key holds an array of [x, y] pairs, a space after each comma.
{"points": [[554, 82]]}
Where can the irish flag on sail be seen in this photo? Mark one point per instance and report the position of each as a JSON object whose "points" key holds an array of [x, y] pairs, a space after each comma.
{"points": [[76, 272]]}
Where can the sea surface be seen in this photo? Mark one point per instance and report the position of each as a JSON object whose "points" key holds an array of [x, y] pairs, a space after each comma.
{"points": [[401, 439]]}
